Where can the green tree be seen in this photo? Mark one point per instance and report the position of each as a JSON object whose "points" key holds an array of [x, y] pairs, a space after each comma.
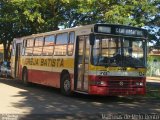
{"points": [[6, 24], [18, 18], [25, 17]]}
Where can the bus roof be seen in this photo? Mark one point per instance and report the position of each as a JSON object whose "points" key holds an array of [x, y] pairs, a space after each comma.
{"points": [[77, 28], [58, 31]]}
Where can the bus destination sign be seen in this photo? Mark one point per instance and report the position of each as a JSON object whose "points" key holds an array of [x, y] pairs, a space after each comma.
{"points": [[129, 31], [120, 30]]}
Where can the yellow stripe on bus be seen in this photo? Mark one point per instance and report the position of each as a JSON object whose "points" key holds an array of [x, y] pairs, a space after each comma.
{"points": [[103, 68], [49, 62]]}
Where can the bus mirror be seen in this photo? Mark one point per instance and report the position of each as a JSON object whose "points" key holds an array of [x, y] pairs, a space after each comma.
{"points": [[92, 38]]}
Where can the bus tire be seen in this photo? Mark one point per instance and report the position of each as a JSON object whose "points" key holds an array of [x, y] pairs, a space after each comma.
{"points": [[66, 85], [25, 77]]}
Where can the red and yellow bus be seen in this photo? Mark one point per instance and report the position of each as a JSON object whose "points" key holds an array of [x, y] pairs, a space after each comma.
{"points": [[98, 59]]}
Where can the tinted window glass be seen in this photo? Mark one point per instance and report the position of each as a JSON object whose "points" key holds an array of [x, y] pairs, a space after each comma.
{"points": [[37, 51], [30, 42], [24, 43], [28, 51], [62, 38], [71, 37], [70, 49], [49, 40], [48, 50], [60, 50], [39, 41]]}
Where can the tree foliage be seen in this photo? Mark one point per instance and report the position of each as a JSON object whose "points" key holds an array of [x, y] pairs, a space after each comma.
{"points": [[24, 17]]}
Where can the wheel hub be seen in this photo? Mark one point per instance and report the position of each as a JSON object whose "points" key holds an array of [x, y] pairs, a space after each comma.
{"points": [[66, 85]]}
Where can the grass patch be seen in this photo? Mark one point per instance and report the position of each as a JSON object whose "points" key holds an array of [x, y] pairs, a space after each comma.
{"points": [[153, 92]]}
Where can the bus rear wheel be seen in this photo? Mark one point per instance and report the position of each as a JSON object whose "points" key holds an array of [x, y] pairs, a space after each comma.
{"points": [[66, 85], [25, 77]]}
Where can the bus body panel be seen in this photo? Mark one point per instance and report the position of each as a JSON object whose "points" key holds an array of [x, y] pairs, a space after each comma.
{"points": [[47, 71]]}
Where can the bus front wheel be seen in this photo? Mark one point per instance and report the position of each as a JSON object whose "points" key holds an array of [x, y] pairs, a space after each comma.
{"points": [[66, 85]]}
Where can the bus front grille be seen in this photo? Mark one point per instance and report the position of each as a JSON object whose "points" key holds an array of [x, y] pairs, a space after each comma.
{"points": [[119, 84], [122, 86]]}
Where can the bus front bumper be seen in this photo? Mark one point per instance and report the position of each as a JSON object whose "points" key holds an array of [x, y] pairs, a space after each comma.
{"points": [[104, 90]]}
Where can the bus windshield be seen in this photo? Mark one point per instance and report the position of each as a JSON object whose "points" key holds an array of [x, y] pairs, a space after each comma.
{"points": [[118, 51]]}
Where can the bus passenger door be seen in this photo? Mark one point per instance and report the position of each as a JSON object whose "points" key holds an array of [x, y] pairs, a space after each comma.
{"points": [[17, 60], [82, 63]]}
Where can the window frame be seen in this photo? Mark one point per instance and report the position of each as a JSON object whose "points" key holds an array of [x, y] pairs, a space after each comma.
{"points": [[53, 41], [61, 44], [38, 46], [49, 45], [26, 46], [61, 34], [27, 42], [69, 43]]}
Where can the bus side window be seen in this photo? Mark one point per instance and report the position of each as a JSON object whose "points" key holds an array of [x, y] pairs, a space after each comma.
{"points": [[28, 51], [37, 50], [61, 44], [24, 47], [49, 43], [23, 51], [71, 43], [29, 46]]}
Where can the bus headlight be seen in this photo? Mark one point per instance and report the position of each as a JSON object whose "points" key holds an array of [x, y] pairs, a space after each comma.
{"points": [[101, 83], [139, 83]]}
